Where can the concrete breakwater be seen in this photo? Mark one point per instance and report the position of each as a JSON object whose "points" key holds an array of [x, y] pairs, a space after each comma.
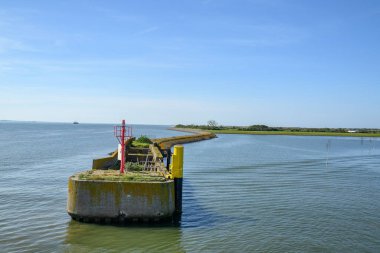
{"points": [[165, 143], [159, 149], [154, 193]]}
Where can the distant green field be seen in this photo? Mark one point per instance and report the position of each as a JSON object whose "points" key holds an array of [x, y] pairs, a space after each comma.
{"points": [[232, 131]]}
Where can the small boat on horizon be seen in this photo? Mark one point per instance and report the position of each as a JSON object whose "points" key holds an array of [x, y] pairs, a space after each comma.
{"points": [[75, 122]]}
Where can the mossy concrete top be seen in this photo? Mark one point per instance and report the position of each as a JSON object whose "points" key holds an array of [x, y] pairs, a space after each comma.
{"points": [[115, 175]]}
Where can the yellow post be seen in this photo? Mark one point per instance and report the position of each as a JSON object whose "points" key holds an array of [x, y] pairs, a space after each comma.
{"points": [[177, 172], [177, 162]]}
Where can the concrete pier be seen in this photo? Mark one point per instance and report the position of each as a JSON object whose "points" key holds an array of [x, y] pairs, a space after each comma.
{"points": [[118, 200], [105, 195]]}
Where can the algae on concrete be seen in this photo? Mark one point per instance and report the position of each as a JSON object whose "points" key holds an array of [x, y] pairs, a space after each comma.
{"points": [[115, 175]]}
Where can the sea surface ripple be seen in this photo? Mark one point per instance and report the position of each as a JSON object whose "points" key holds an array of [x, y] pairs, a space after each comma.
{"points": [[242, 193]]}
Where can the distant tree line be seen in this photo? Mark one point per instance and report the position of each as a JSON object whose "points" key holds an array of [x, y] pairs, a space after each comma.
{"points": [[220, 127], [213, 125]]}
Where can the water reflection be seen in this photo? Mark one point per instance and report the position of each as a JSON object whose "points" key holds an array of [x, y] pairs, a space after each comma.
{"points": [[83, 237]]}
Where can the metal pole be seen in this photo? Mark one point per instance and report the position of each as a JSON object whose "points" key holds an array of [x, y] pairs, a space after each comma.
{"points": [[168, 158], [122, 162]]}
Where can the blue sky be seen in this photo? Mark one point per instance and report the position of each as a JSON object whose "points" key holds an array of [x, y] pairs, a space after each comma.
{"points": [[280, 63]]}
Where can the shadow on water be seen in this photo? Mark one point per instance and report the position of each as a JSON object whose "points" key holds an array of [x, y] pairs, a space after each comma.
{"points": [[195, 215]]}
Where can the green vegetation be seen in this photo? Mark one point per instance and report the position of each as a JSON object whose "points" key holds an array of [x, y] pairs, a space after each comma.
{"points": [[134, 166], [266, 130], [309, 133], [142, 142], [115, 175]]}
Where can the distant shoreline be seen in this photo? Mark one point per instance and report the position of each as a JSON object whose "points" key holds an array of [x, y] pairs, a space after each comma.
{"points": [[295, 133], [279, 132]]}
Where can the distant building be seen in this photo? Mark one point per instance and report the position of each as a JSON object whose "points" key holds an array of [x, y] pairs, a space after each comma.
{"points": [[351, 131]]}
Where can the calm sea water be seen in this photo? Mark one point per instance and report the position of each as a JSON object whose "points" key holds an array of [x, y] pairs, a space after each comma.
{"points": [[241, 193]]}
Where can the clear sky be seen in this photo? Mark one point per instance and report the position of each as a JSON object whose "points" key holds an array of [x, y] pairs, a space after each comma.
{"points": [[279, 63]]}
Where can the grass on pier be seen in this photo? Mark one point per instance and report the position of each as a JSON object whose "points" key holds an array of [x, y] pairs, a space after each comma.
{"points": [[115, 175], [142, 142]]}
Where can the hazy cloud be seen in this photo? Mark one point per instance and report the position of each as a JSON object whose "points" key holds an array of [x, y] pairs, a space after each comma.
{"points": [[7, 44]]}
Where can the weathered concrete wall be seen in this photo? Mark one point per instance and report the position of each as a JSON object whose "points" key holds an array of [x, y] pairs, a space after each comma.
{"points": [[113, 199], [105, 162], [157, 156], [165, 143]]}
